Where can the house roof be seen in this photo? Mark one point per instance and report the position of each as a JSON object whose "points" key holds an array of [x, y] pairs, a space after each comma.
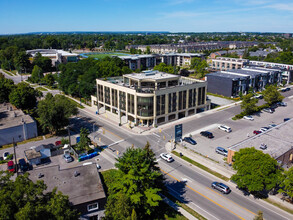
{"points": [[85, 187], [32, 154]]}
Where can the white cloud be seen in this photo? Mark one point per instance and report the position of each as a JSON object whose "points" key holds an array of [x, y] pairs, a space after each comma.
{"points": [[282, 7]]}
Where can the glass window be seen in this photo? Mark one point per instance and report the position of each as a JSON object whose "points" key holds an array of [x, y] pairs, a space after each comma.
{"points": [[145, 106], [92, 207]]}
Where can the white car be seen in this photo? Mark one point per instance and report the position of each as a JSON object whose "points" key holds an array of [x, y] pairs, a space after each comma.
{"points": [[166, 157], [263, 129], [5, 155], [225, 128], [248, 117]]}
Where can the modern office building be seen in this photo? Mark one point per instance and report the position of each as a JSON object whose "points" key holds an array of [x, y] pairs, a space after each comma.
{"points": [[227, 63], [57, 56], [231, 83], [139, 61], [150, 98]]}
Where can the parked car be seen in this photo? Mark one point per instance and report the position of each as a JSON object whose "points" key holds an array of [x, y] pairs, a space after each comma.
{"points": [[258, 96], [207, 134], [98, 166], [248, 117], [263, 129], [222, 151], [22, 164], [10, 166], [272, 125], [221, 187], [284, 104], [263, 146], [5, 155], [225, 128], [67, 158], [269, 110], [284, 90], [288, 89], [256, 132], [286, 119], [166, 157], [189, 140]]}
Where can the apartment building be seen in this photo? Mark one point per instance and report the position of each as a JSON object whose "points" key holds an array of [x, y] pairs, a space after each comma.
{"points": [[231, 83], [227, 63], [150, 98], [57, 56]]}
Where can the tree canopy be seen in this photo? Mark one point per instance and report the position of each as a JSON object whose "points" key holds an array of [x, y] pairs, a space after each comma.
{"points": [[24, 96], [23, 199], [6, 86], [54, 112], [256, 171], [139, 181], [199, 66], [162, 67], [287, 183], [248, 104], [272, 95], [83, 144]]}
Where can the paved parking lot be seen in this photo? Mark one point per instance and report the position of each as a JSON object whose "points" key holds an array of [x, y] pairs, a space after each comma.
{"points": [[240, 131]]}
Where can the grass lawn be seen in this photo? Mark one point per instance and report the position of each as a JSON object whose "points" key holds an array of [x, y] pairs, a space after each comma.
{"points": [[103, 55], [75, 103], [14, 72], [23, 142]]}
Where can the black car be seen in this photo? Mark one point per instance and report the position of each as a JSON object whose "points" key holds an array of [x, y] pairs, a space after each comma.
{"points": [[207, 134], [189, 140], [23, 165], [286, 119], [288, 89]]}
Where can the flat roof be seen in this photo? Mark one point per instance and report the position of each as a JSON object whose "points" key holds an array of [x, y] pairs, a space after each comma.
{"points": [[49, 52], [247, 72], [152, 75], [12, 117], [278, 140], [85, 187], [32, 154], [228, 75]]}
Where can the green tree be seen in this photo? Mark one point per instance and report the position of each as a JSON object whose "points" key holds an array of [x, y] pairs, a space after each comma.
{"points": [[24, 97], [248, 104], [6, 86], [37, 74], [148, 50], [272, 95], [133, 215], [199, 66], [49, 79], [23, 199], [54, 112], [21, 61], [44, 63], [287, 183], [256, 171], [118, 206], [83, 144]]}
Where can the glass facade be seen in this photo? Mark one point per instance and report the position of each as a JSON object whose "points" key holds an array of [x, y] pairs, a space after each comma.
{"points": [[192, 98], [107, 95], [145, 106], [122, 103], [101, 93], [114, 98], [161, 102], [172, 102], [201, 96], [130, 99]]}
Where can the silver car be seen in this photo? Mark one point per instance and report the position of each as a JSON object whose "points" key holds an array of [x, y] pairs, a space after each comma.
{"points": [[67, 158]]}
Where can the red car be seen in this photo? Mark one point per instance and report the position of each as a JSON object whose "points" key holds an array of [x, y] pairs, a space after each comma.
{"points": [[256, 132], [10, 166]]}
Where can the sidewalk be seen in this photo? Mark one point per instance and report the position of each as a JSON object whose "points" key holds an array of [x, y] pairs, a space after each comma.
{"points": [[179, 209]]}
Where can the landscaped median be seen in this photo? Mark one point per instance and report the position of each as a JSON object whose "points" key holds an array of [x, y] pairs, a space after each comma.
{"points": [[201, 166]]}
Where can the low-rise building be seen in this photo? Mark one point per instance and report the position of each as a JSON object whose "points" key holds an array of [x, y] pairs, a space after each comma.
{"points": [[277, 140], [81, 184], [15, 125], [150, 98], [57, 56], [231, 83], [227, 63]]}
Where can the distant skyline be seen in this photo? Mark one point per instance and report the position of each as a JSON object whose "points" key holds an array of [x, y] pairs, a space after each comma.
{"points": [[18, 16]]}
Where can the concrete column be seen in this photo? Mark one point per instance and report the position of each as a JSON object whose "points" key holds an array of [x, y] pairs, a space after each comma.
{"points": [[104, 94], [166, 104], [155, 106], [187, 98], [135, 109], [111, 103]]}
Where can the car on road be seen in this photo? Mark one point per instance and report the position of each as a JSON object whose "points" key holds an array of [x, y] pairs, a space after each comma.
{"points": [[221, 187], [256, 132], [225, 128], [222, 151], [286, 119], [207, 134], [5, 155], [189, 140], [248, 117], [283, 104], [22, 164], [288, 89], [10, 166], [166, 157], [263, 146], [269, 110], [284, 90], [67, 158]]}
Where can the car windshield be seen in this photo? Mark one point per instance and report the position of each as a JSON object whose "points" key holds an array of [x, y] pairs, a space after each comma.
{"points": [[67, 156], [10, 167]]}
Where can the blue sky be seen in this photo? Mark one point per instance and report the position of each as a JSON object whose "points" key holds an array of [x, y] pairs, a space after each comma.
{"points": [[22, 16]]}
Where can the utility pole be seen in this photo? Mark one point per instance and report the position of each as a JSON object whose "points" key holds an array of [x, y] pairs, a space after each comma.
{"points": [[13, 143], [69, 136]]}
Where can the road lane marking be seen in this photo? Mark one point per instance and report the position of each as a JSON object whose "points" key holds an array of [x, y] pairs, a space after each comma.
{"points": [[231, 201], [194, 204], [204, 196], [156, 135], [117, 142]]}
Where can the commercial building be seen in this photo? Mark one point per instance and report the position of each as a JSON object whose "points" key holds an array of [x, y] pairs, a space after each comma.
{"points": [[57, 56], [150, 98], [227, 63], [139, 61], [15, 125], [81, 184], [231, 83], [277, 140]]}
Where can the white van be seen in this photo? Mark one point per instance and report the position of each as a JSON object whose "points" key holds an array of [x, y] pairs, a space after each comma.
{"points": [[225, 128]]}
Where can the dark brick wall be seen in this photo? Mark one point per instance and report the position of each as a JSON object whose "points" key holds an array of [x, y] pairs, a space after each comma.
{"points": [[219, 85]]}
